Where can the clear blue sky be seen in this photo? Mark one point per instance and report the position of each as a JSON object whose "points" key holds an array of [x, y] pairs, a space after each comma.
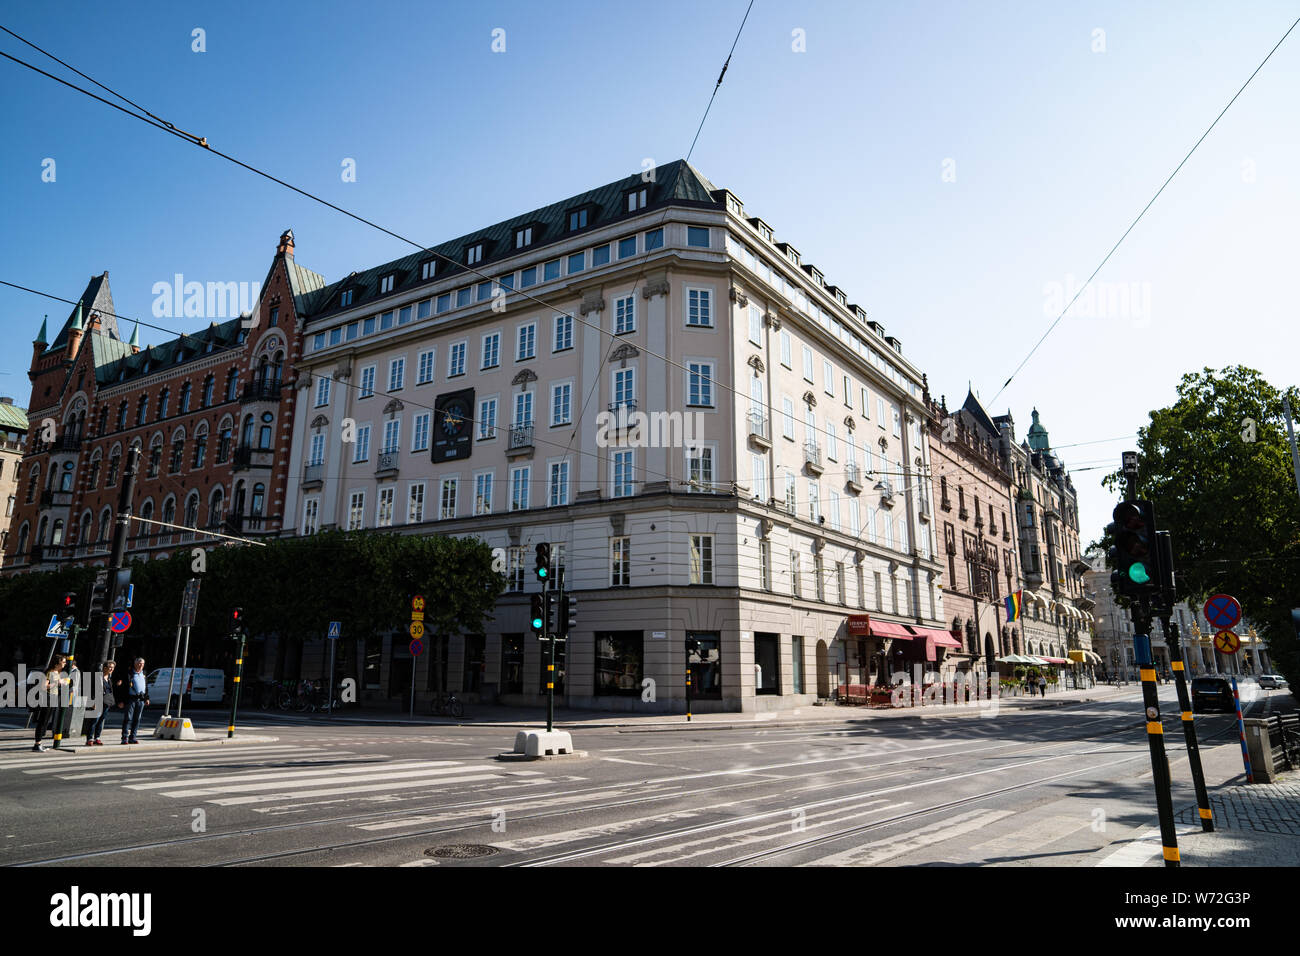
{"points": [[840, 148]]}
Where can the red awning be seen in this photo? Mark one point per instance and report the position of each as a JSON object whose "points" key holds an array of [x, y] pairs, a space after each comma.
{"points": [[940, 638], [1056, 660], [888, 629]]}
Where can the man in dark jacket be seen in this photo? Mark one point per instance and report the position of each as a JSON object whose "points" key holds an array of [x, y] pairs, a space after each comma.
{"points": [[136, 695]]}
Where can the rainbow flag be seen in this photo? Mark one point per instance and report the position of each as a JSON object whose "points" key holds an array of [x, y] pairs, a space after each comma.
{"points": [[1013, 603]]}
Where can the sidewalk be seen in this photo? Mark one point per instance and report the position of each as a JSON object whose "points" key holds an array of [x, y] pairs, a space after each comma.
{"points": [[16, 739], [630, 721], [1254, 824]]}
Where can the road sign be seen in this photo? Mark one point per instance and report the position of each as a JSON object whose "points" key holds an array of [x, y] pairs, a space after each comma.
{"points": [[130, 594], [189, 602], [336, 630], [1222, 611], [417, 630], [1227, 642], [119, 621], [56, 627], [417, 603], [417, 648]]}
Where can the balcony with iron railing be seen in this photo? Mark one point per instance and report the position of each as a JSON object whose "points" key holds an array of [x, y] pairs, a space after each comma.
{"points": [[853, 477], [759, 429], [521, 438], [262, 391], [386, 463], [812, 457], [54, 498], [67, 442], [250, 456]]}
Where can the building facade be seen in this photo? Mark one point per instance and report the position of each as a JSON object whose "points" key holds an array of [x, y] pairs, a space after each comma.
{"points": [[13, 443], [720, 448]]}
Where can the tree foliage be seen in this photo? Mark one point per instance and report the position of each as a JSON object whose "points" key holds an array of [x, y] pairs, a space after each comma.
{"points": [[1217, 466]]}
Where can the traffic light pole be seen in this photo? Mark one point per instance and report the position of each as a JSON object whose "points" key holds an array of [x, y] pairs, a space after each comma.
{"points": [[1189, 726], [106, 651], [1155, 733], [554, 639], [234, 697]]}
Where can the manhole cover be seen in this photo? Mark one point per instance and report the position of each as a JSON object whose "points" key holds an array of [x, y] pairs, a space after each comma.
{"points": [[460, 851]]}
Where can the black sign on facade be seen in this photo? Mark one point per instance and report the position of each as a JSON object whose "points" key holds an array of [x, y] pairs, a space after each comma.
{"points": [[453, 425]]}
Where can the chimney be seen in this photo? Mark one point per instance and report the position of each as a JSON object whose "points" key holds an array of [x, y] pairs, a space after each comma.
{"points": [[285, 248]]}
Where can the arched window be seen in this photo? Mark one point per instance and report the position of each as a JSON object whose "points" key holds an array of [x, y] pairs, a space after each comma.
{"points": [[96, 460], [264, 433], [168, 517], [237, 506], [277, 367], [224, 433], [33, 482], [65, 478], [246, 436], [114, 466], [178, 451], [200, 444], [40, 530], [103, 420], [185, 399], [163, 398], [155, 456], [208, 384], [23, 534], [86, 529], [121, 415], [259, 499], [191, 514], [232, 385], [146, 531], [263, 370], [56, 535], [216, 507], [105, 525], [142, 410]]}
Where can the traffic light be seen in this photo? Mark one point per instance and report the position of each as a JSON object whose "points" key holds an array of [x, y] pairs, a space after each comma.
{"points": [[99, 596], [537, 615], [1136, 570], [1165, 568], [236, 622], [68, 606], [569, 612], [543, 566]]}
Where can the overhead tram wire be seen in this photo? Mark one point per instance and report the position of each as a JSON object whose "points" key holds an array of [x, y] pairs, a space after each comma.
{"points": [[170, 128], [1134, 223]]}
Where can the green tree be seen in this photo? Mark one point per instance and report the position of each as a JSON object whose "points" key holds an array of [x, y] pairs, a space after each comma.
{"points": [[1217, 466]]}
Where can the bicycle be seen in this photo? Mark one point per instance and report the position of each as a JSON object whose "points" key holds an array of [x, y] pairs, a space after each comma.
{"points": [[449, 706]]}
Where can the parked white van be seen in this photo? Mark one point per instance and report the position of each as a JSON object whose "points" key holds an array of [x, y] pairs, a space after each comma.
{"points": [[200, 685]]}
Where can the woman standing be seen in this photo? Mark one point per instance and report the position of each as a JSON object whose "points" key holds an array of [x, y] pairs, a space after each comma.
{"points": [[105, 703], [50, 699]]}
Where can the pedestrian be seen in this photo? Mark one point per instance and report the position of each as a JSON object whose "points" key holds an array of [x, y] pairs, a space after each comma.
{"points": [[1029, 686], [106, 703], [1042, 685], [48, 702], [137, 699]]}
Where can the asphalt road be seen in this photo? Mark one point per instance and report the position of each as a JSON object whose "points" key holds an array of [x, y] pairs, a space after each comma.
{"points": [[1063, 786]]}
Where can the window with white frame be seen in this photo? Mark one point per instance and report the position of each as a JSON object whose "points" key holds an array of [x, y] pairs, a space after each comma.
{"points": [[791, 492], [699, 384], [367, 382], [833, 507], [699, 312], [456, 359], [562, 404], [625, 387], [755, 324], [828, 376], [787, 412], [848, 392], [636, 199], [362, 451], [523, 237], [357, 511], [765, 564], [625, 314], [898, 421], [322, 392], [563, 332], [474, 254], [317, 454], [310, 512], [386, 284], [523, 410], [807, 363], [519, 479], [880, 411], [558, 492], [392, 435], [855, 518], [428, 268], [384, 509], [622, 474], [487, 418], [880, 594], [832, 442], [758, 473], [526, 347], [515, 569], [415, 503], [491, 350], [701, 559], [814, 500], [862, 586], [620, 571], [787, 359], [420, 432], [424, 373], [483, 493], [841, 592], [447, 497], [396, 374], [866, 404], [699, 468], [819, 577]]}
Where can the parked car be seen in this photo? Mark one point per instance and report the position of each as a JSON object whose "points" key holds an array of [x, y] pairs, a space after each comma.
{"points": [[1212, 693], [1272, 682], [200, 685]]}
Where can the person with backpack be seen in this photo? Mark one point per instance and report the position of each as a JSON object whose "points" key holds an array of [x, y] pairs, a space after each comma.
{"points": [[106, 703], [49, 700]]}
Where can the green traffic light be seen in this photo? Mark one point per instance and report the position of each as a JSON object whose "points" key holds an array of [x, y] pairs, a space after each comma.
{"points": [[542, 572], [537, 624], [1138, 573]]}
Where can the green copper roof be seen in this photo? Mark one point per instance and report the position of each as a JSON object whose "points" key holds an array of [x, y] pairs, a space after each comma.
{"points": [[12, 418], [42, 335], [1037, 437], [97, 298]]}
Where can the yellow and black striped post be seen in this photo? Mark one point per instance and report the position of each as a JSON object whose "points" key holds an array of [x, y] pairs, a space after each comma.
{"points": [[234, 697], [688, 688], [1189, 725], [1155, 734]]}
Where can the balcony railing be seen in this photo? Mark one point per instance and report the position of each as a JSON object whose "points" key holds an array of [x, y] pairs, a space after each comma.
{"points": [[521, 436], [313, 474], [67, 443], [759, 428], [386, 463], [53, 498], [853, 477], [268, 391], [250, 456], [812, 457]]}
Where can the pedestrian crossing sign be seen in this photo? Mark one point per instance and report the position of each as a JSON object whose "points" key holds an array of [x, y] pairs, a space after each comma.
{"points": [[335, 630], [56, 627]]}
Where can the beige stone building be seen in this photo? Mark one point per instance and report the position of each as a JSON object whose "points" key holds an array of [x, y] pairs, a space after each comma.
{"points": [[13, 442], [721, 447]]}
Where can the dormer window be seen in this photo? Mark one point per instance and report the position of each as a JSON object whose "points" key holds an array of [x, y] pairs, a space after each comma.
{"points": [[578, 218], [386, 284], [762, 228], [474, 254], [636, 199], [523, 237], [427, 269], [345, 298]]}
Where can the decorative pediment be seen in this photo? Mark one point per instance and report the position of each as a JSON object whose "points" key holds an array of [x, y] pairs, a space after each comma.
{"points": [[523, 377], [320, 421], [765, 526], [849, 422], [616, 523], [592, 301], [756, 363], [393, 407], [773, 321], [656, 284], [884, 444], [343, 370], [810, 399], [624, 352]]}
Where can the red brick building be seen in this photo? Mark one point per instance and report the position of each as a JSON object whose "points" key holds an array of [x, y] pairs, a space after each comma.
{"points": [[207, 410]]}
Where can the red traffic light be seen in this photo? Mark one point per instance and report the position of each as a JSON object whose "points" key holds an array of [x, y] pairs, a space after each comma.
{"points": [[69, 600]]}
